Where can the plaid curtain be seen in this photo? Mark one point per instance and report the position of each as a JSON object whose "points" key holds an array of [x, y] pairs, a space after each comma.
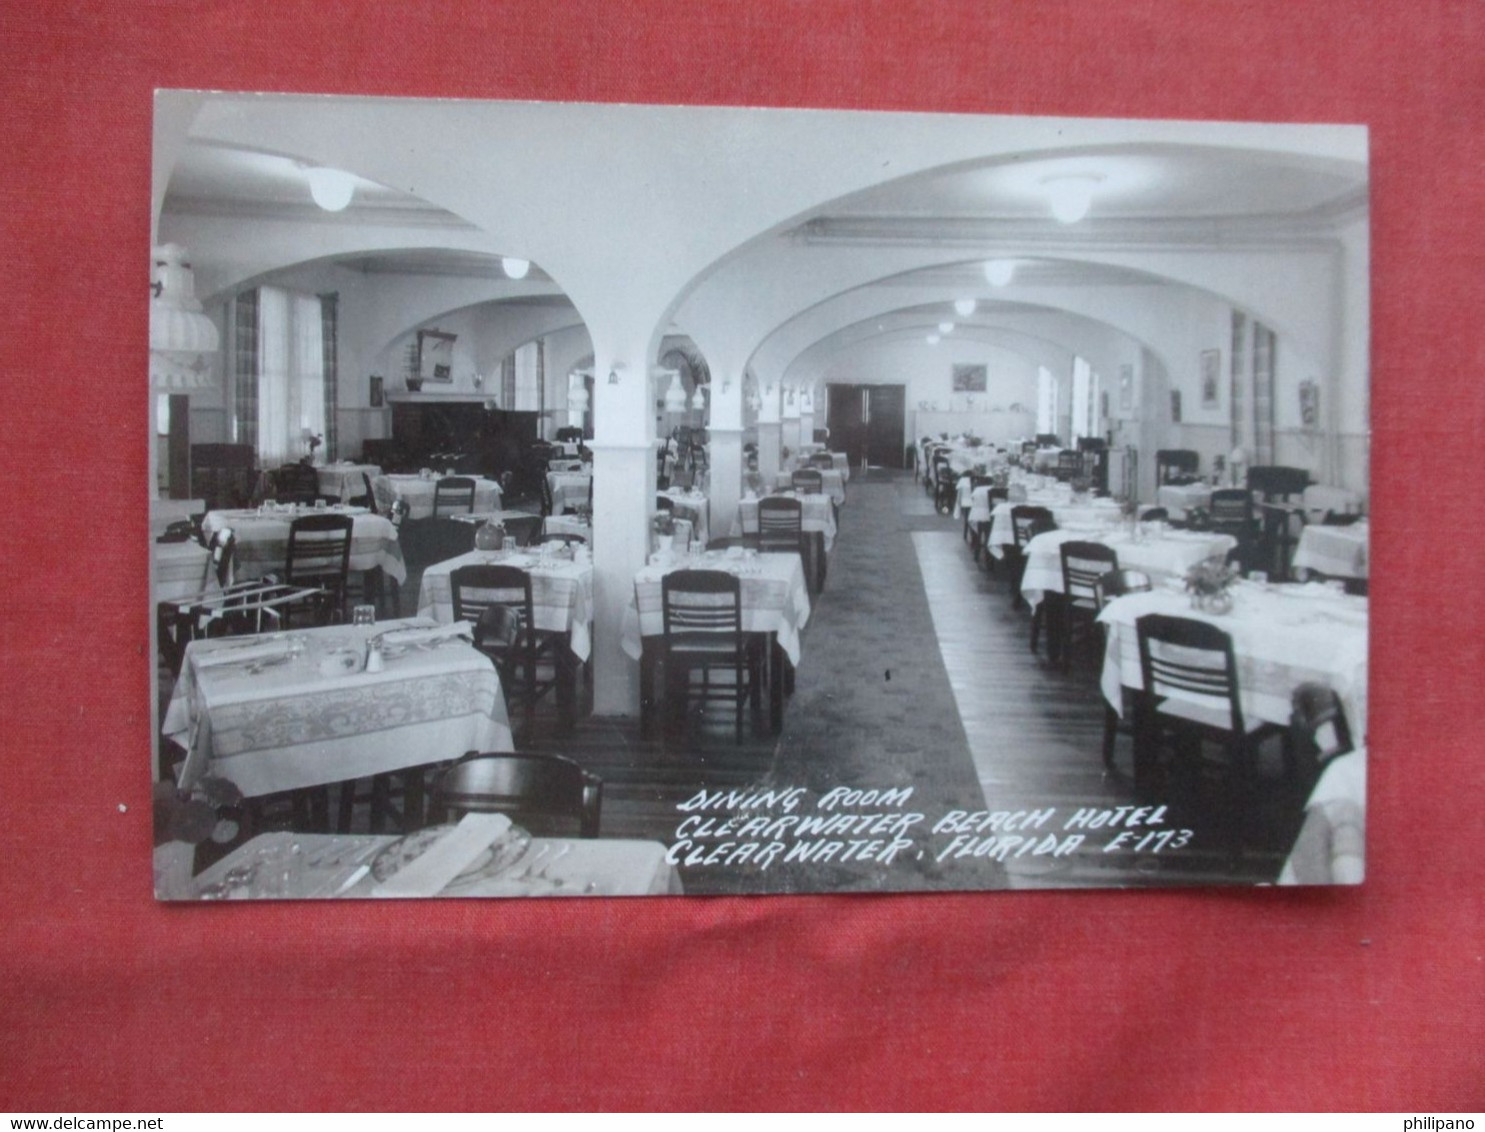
{"points": [[245, 369], [508, 382], [329, 307], [1264, 347]]}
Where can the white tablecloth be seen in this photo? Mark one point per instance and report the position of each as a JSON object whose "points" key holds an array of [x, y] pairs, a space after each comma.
{"points": [[1178, 499], [775, 598], [1282, 636], [348, 477], [263, 541], [182, 569], [295, 723], [839, 461], [417, 493], [832, 483], [569, 489], [694, 507], [300, 866], [816, 514], [1162, 556], [561, 593], [1340, 552], [1094, 516]]}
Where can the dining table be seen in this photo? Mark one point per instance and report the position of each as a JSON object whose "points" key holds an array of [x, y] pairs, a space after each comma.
{"points": [[262, 539], [1335, 551], [291, 710], [417, 492], [775, 603], [346, 480], [569, 489], [694, 507], [182, 569], [1282, 636], [285, 865], [816, 520], [1179, 499], [839, 461], [561, 590], [1089, 514], [832, 482], [1152, 548]]}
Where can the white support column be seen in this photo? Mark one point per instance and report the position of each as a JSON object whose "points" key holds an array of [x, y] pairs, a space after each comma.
{"points": [[623, 497], [724, 452], [769, 435], [789, 435]]}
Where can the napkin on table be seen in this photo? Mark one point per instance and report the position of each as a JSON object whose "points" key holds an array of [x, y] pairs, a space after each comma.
{"points": [[238, 654], [450, 856]]}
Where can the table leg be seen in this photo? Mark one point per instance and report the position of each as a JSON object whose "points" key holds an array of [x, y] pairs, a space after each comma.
{"points": [[649, 660], [776, 664], [566, 683]]}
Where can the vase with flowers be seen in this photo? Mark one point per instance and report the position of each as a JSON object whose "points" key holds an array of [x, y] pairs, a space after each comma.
{"points": [[1210, 585]]}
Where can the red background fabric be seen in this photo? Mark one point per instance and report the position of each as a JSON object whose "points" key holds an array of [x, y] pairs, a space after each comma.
{"points": [[1367, 998]]}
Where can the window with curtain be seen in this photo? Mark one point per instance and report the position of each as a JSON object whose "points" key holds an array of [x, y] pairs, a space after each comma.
{"points": [[285, 372]]}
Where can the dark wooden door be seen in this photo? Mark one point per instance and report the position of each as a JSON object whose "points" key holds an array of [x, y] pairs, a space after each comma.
{"points": [[866, 422]]}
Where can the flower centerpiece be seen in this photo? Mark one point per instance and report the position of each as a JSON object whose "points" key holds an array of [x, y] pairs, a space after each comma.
{"points": [[1210, 584]]}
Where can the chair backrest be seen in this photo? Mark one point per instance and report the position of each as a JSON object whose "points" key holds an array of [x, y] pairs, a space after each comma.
{"points": [[1184, 657], [977, 480], [1048, 440], [1318, 720], [821, 436], [453, 495], [498, 629], [1172, 462], [1340, 518], [1029, 521], [1121, 583], [701, 601], [1275, 481], [809, 480], [570, 435], [1232, 508], [780, 523], [398, 513], [664, 503], [566, 538], [1083, 564], [998, 495], [296, 483], [319, 549], [1070, 461], [522, 530], [822, 460], [476, 587], [522, 784], [370, 494], [1155, 515]]}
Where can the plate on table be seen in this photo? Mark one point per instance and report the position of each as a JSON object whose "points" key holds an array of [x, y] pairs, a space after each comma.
{"points": [[503, 853]]}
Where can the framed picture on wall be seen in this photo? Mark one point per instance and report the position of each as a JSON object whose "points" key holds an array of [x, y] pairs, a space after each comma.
{"points": [[1175, 406], [970, 379], [436, 355], [1211, 369], [376, 397], [1126, 389]]}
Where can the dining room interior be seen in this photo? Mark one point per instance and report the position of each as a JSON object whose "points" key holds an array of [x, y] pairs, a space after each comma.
{"points": [[576, 499]]}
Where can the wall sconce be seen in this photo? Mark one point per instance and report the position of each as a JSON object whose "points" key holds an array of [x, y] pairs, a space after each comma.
{"points": [[614, 372], [479, 381], [515, 268], [1071, 195]]}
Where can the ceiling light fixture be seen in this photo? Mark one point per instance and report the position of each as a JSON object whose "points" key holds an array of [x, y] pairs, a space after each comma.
{"points": [[182, 337], [515, 268], [962, 307], [1071, 195], [332, 189], [999, 272], [932, 339], [945, 327]]}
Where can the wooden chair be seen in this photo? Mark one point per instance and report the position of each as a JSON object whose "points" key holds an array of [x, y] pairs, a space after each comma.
{"points": [[702, 612], [453, 495], [319, 555], [566, 538], [1191, 699], [1176, 466], [780, 525], [525, 786], [296, 483], [808, 480], [1083, 566], [476, 588], [1069, 465], [822, 460], [945, 487], [1117, 584]]}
